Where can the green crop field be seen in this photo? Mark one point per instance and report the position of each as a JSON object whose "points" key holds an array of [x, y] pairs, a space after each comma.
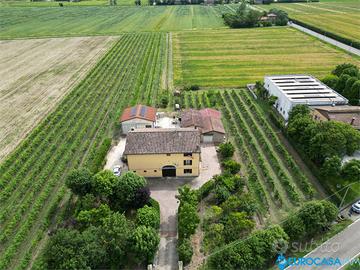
{"points": [[79, 21], [32, 177], [232, 58], [339, 17]]}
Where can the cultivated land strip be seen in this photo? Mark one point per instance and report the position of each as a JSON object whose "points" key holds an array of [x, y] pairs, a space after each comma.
{"points": [[75, 21], [341, 17], [69, 137], [35, 75], [235, 57]]}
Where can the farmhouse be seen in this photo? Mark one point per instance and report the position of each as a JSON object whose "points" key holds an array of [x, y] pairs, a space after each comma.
{"points": [[138, 116], [345, 114], [292, 90], [163, 152], [208, 121]]}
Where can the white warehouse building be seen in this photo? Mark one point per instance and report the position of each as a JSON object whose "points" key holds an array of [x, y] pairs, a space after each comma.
{"points": [[292, 90]]}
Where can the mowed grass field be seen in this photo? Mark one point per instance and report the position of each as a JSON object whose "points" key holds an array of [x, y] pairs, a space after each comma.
{"points": [[339, 17], [79, 21], [235, 57]]}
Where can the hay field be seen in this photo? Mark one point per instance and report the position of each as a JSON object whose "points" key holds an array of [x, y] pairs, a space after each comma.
{"points": [[35, 74]]}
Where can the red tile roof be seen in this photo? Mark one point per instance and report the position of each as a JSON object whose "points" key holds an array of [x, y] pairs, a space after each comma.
{"points": [[140, 112], [207, 120]]}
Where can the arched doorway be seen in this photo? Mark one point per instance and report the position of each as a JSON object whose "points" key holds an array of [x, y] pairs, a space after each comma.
{"points": [[169, 171]]}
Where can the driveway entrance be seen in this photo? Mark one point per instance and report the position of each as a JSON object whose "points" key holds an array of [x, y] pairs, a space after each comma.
{"points": [[169, 171]]}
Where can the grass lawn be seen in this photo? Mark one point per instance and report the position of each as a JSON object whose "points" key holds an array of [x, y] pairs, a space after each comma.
{"points": [[18, 22], [234, 57], [340, 17]]}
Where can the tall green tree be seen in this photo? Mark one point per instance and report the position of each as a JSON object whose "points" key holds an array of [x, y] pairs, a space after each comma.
{"points": [[145, 241], [79, 181], [351, 170], [125, 190], [115, 233]]}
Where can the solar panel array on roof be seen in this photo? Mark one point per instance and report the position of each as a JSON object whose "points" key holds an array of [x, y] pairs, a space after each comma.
{"points": [[133, 111], [297, 87], [143, 111]]}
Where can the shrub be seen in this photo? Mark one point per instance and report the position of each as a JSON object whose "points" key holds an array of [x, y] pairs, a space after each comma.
{"points": [[231, 166], [205, 189], [145, 241], [142, 197], [79, 181], [98, 156], [226, 150], [339, 69], [330, 80], [214, 236], [188, 220], [351, 170], [237, 225], [164, 100], [185, 251], [148, 216]]}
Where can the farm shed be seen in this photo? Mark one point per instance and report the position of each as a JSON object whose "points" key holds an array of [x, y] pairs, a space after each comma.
{"points": [[208, 121], [138, 116], [292, 90], [345, 114], [163, 152]]}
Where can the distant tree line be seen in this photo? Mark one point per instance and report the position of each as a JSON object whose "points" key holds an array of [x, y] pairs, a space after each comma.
{"points": [[248, 17]]}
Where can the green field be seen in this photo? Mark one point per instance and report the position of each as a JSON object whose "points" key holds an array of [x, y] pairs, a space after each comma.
{"points": [[79, 21], [232, 58], [32, 177], [339, 17]]}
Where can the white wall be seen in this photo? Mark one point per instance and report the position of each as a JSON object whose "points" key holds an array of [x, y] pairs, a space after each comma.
{"points": [[283, 104], [126, 126]]}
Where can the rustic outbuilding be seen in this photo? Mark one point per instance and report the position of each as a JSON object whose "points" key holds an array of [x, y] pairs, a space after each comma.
{"points": [[208, 121], [139, 116]]}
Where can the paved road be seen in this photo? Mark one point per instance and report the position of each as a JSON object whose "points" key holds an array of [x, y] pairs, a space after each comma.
{"points": [[164, 191], [345, 246], [327, 39]]}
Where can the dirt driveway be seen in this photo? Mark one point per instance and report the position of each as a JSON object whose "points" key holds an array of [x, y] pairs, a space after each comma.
{"points": [[35, 75], [164, 191]]}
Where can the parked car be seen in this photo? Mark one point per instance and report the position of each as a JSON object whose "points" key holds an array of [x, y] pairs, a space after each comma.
{"points": [[117, 170], [356, 207]]}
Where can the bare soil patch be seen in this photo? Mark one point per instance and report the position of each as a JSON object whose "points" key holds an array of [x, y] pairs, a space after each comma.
{"points": [[35, 75]]}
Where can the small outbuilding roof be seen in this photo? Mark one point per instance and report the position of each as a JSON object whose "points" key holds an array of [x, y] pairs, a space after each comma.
{"points": [[139, 112], [207, 120], [346, 114], [162, 141]]}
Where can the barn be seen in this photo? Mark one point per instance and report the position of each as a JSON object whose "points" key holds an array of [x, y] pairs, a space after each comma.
{"points": [[208, 121], [139, 116]]}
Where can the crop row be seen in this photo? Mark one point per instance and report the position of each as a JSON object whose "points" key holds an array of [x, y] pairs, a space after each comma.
{"points": [[232, 124], [275, 142], [256, 152], [265, 148], [66, 139]]}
